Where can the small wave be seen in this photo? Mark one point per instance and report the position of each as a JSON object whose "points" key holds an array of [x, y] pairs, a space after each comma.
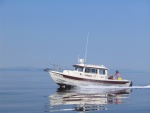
{"points": [[141, 87], [113, 87], [106, 89]]}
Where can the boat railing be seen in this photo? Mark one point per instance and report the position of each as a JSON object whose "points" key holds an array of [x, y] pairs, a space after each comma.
{"points": [[57, 67]]}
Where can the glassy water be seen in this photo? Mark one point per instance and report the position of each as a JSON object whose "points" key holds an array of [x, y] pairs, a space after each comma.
{"points": [[35, 92]]}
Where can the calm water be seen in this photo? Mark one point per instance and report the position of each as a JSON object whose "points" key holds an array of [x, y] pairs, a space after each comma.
{"points": [[35, 92]]}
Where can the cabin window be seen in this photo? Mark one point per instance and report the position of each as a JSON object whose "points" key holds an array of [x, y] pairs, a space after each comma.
{"points": [[90, 70], [87, 70], [102, 71], [93, 70], [80, 69]]}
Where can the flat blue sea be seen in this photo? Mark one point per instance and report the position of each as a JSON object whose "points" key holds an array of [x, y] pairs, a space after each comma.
{"points": [[35, 92]]}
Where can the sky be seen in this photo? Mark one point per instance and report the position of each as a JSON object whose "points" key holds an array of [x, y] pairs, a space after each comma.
{"points": [[35, 33]]}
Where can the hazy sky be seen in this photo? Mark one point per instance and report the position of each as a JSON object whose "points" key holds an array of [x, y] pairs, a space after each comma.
{"points": [[36, 32]]}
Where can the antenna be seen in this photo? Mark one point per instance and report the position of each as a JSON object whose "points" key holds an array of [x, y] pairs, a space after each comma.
{"points": [[86, 46], [78, 58]]}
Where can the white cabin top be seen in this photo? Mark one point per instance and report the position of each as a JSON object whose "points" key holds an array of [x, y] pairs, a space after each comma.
{"points": [[83, 65], [91, 66]]}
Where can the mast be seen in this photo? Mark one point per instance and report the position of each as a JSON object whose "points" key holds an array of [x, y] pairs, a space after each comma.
{"points": [[86, 49]]}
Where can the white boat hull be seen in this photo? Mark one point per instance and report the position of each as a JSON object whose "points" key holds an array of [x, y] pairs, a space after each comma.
{"points": [[70, 80]]}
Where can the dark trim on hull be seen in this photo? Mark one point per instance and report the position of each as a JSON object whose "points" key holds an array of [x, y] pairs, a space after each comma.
{"points": [[92, 80], [64, 87]]}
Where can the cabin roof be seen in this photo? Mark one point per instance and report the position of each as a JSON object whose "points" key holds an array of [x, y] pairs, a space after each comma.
{"points": [[91, 66]]}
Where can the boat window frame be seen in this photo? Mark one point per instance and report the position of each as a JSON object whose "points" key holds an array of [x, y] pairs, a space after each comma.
{"points": [[77, 68], [102, 71], [89, 70]]}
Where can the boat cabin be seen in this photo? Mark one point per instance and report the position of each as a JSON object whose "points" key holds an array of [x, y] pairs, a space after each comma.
{"points": [[91, 69], [88, 71]]}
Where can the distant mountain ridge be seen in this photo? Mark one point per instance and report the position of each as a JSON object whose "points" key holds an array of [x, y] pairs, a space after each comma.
{"points": [[128, 71], [111, 71], [21, 69]]}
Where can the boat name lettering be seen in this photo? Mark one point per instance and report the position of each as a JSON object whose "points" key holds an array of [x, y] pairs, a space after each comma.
{"points": [[88, 75]]}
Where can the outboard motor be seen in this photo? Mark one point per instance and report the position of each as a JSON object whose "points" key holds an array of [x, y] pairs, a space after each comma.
{"points": [[131, 84]]}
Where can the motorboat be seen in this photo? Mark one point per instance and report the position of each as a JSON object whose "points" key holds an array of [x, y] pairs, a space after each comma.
{"points": [[86, 74]]}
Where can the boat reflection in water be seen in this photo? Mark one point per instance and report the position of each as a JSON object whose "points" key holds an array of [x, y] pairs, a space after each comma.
{"points": [[87, 99]]}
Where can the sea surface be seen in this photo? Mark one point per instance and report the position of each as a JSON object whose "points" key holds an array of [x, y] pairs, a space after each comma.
{"points": [[35, 92]]}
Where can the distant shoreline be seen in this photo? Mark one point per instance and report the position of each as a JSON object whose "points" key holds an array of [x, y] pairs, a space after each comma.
{"points": [[21, 69], [112, 71]]}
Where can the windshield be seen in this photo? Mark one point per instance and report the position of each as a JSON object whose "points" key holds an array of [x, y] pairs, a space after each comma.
{"points": [[80, 69]]}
